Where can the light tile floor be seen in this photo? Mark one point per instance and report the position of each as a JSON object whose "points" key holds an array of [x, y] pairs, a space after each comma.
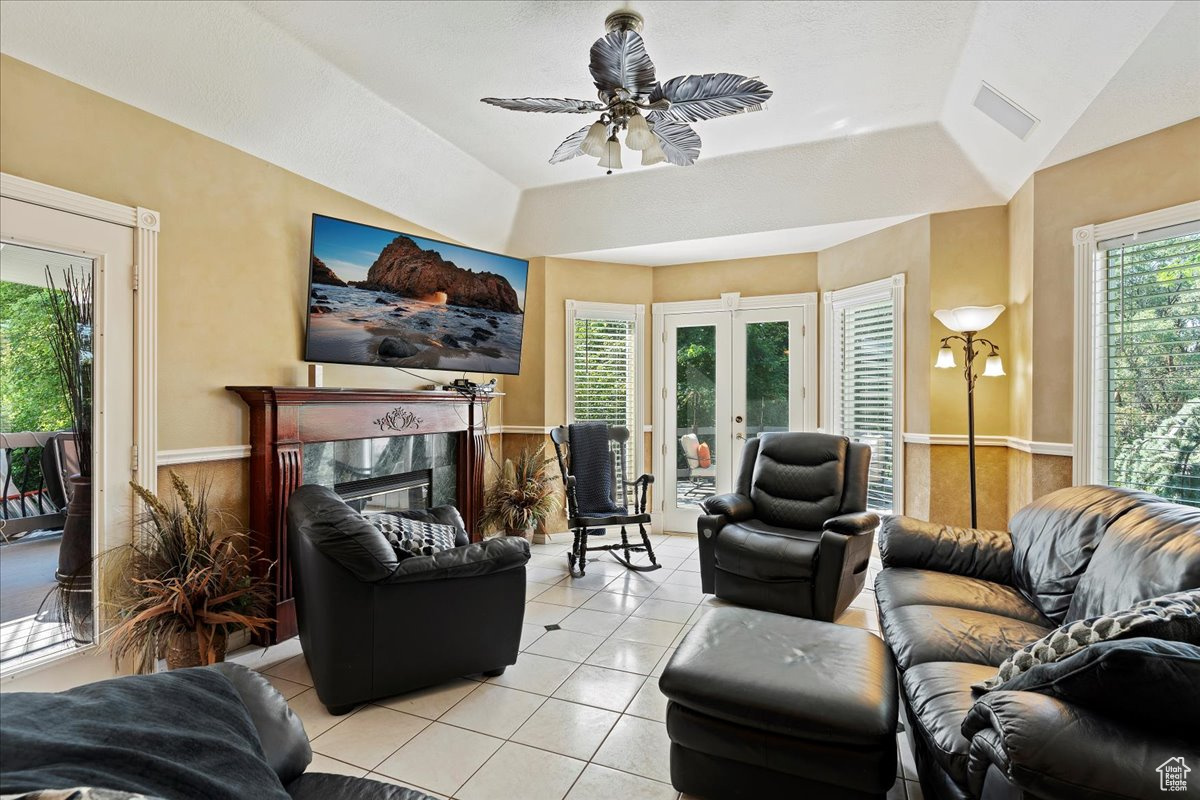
{"points": [[579, 716]]}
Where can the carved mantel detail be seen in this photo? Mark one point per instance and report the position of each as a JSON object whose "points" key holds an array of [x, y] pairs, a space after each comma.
{"points": [[398, 419], [285, 418]]}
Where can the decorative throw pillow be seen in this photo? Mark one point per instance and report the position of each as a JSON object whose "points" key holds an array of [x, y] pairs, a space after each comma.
{"points": [[1127, 679], [410, 537], [704, 455], [1174, 617]]}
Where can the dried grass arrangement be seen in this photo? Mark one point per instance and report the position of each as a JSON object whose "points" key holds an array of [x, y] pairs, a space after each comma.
{"points": [[524, 494], [186, 582]]}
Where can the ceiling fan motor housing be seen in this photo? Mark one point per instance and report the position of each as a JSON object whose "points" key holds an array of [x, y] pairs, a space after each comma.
{"points": [[624, 20]]}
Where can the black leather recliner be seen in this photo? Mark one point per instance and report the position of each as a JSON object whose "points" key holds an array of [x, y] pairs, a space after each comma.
{"points": [[373, 625], [795, 538]]}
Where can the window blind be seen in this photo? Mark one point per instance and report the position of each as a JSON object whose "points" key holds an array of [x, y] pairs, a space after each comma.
{"points": [[603, 374], [1150, 299], [865, 394]]}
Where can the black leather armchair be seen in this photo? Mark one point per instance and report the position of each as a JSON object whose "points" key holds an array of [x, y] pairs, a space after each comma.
{"points": [[795, 537], [373, 625]]}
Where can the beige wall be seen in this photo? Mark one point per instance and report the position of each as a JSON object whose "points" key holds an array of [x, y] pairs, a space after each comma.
{"points": [[232, 254], [902, 248], [1145, 174], [968, 266], [1018, 360], [752, 277]]}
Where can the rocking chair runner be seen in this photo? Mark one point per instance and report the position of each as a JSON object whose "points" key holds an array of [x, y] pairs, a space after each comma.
{"points": [[598, 495]]}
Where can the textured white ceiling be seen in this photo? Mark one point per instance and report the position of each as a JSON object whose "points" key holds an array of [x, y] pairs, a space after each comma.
{"points": [[836, 68], [871, 118]]}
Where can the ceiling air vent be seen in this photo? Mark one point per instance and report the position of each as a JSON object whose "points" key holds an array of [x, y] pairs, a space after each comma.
{"points": [[1011, 116]]}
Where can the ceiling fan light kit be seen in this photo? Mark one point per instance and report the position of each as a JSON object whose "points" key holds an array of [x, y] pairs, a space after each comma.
{"points": [[653, 115]]}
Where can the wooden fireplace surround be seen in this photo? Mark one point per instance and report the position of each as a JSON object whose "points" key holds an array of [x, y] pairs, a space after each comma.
{"points": [[285, 418]]}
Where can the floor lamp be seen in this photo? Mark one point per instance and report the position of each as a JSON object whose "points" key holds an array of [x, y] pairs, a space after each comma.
{"points": [[967, 322]]}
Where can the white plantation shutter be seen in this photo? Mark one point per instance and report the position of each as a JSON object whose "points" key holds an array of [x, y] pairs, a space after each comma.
{"points": [[604, 371], [863, 391], [1147, 346], [604, 352]]}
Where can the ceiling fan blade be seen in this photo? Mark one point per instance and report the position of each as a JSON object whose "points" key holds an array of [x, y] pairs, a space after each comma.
{"points": [[717, 94], [570, 146], [549, 105], [679, 142], [619, 61]]}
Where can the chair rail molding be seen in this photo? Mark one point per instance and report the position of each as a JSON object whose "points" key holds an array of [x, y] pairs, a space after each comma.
{"points": [[1024, 445]]}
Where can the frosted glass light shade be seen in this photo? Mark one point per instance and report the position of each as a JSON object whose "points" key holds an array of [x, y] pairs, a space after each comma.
{"points": [[593, 144], [994, 367], [612, 154], [945, 359], [968, 318], [639, 136], [653, 154]]}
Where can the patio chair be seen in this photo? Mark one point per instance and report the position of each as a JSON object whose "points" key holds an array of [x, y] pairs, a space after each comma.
{"points": [[592, 457], [702, 478]]}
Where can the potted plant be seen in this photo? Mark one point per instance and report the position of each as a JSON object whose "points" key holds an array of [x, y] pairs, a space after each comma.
{"points": [[186, 581], [523, 496]]}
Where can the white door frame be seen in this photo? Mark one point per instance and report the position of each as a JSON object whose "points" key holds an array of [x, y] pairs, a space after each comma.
{"points": [[144, 226], [728, 305]]}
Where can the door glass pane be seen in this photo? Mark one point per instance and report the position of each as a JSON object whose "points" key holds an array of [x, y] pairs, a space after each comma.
{"points": [[695, 413], [766, 377], [45, 537]]}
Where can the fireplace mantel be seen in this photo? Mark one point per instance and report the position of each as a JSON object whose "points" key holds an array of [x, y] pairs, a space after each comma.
{"points": [[285, 418]]}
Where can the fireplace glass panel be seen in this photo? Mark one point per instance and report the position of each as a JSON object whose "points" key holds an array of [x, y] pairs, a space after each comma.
{"points": [[361, 462]]}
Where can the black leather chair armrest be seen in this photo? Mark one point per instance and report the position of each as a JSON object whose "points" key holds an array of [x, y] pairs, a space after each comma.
{"points": [[854, 523], [481, 558], [280, 731], [733, 507], [1055, 750], [973, 552]]}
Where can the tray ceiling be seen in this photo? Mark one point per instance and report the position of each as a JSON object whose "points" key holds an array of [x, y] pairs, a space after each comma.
{"points": [[872, 117]]}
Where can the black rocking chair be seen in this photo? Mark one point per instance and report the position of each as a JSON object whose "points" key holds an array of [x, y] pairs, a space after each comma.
{"points": [[592, 457]]}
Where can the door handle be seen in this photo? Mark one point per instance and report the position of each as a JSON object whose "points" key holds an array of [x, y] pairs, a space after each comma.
{"points": [[741, 436]]}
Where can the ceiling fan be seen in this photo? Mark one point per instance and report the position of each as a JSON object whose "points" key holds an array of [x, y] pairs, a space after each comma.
{"points": [[626, 84]]}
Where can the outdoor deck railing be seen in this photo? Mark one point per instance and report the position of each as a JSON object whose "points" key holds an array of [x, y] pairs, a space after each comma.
{"points": [[27, 504]]}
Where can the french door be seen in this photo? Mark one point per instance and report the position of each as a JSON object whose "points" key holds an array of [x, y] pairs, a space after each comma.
{"points": [[726, 371]]}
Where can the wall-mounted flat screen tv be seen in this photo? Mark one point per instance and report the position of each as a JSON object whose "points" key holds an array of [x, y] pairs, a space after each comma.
{"points": [[383, 298]]}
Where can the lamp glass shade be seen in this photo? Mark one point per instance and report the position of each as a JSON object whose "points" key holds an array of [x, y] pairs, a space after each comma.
{"points": [[593, 144], [945, 359], [638, 135], [968, 318], [653, 154], [993, 368], [612, 154]]}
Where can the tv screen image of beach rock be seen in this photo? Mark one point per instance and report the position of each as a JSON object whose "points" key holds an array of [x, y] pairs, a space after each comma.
{"points": [[384, 298]]}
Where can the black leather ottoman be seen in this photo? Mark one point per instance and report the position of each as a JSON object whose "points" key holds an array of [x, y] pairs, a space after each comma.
{"points": [[767, 705]]}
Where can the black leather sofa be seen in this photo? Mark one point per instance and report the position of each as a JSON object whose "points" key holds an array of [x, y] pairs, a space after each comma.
{"points": [[954, 603], [795, 536], [373, 625]]}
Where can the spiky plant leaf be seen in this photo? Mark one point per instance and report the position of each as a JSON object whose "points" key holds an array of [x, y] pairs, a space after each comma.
{"points": [[546, 105], [717, 94]]}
